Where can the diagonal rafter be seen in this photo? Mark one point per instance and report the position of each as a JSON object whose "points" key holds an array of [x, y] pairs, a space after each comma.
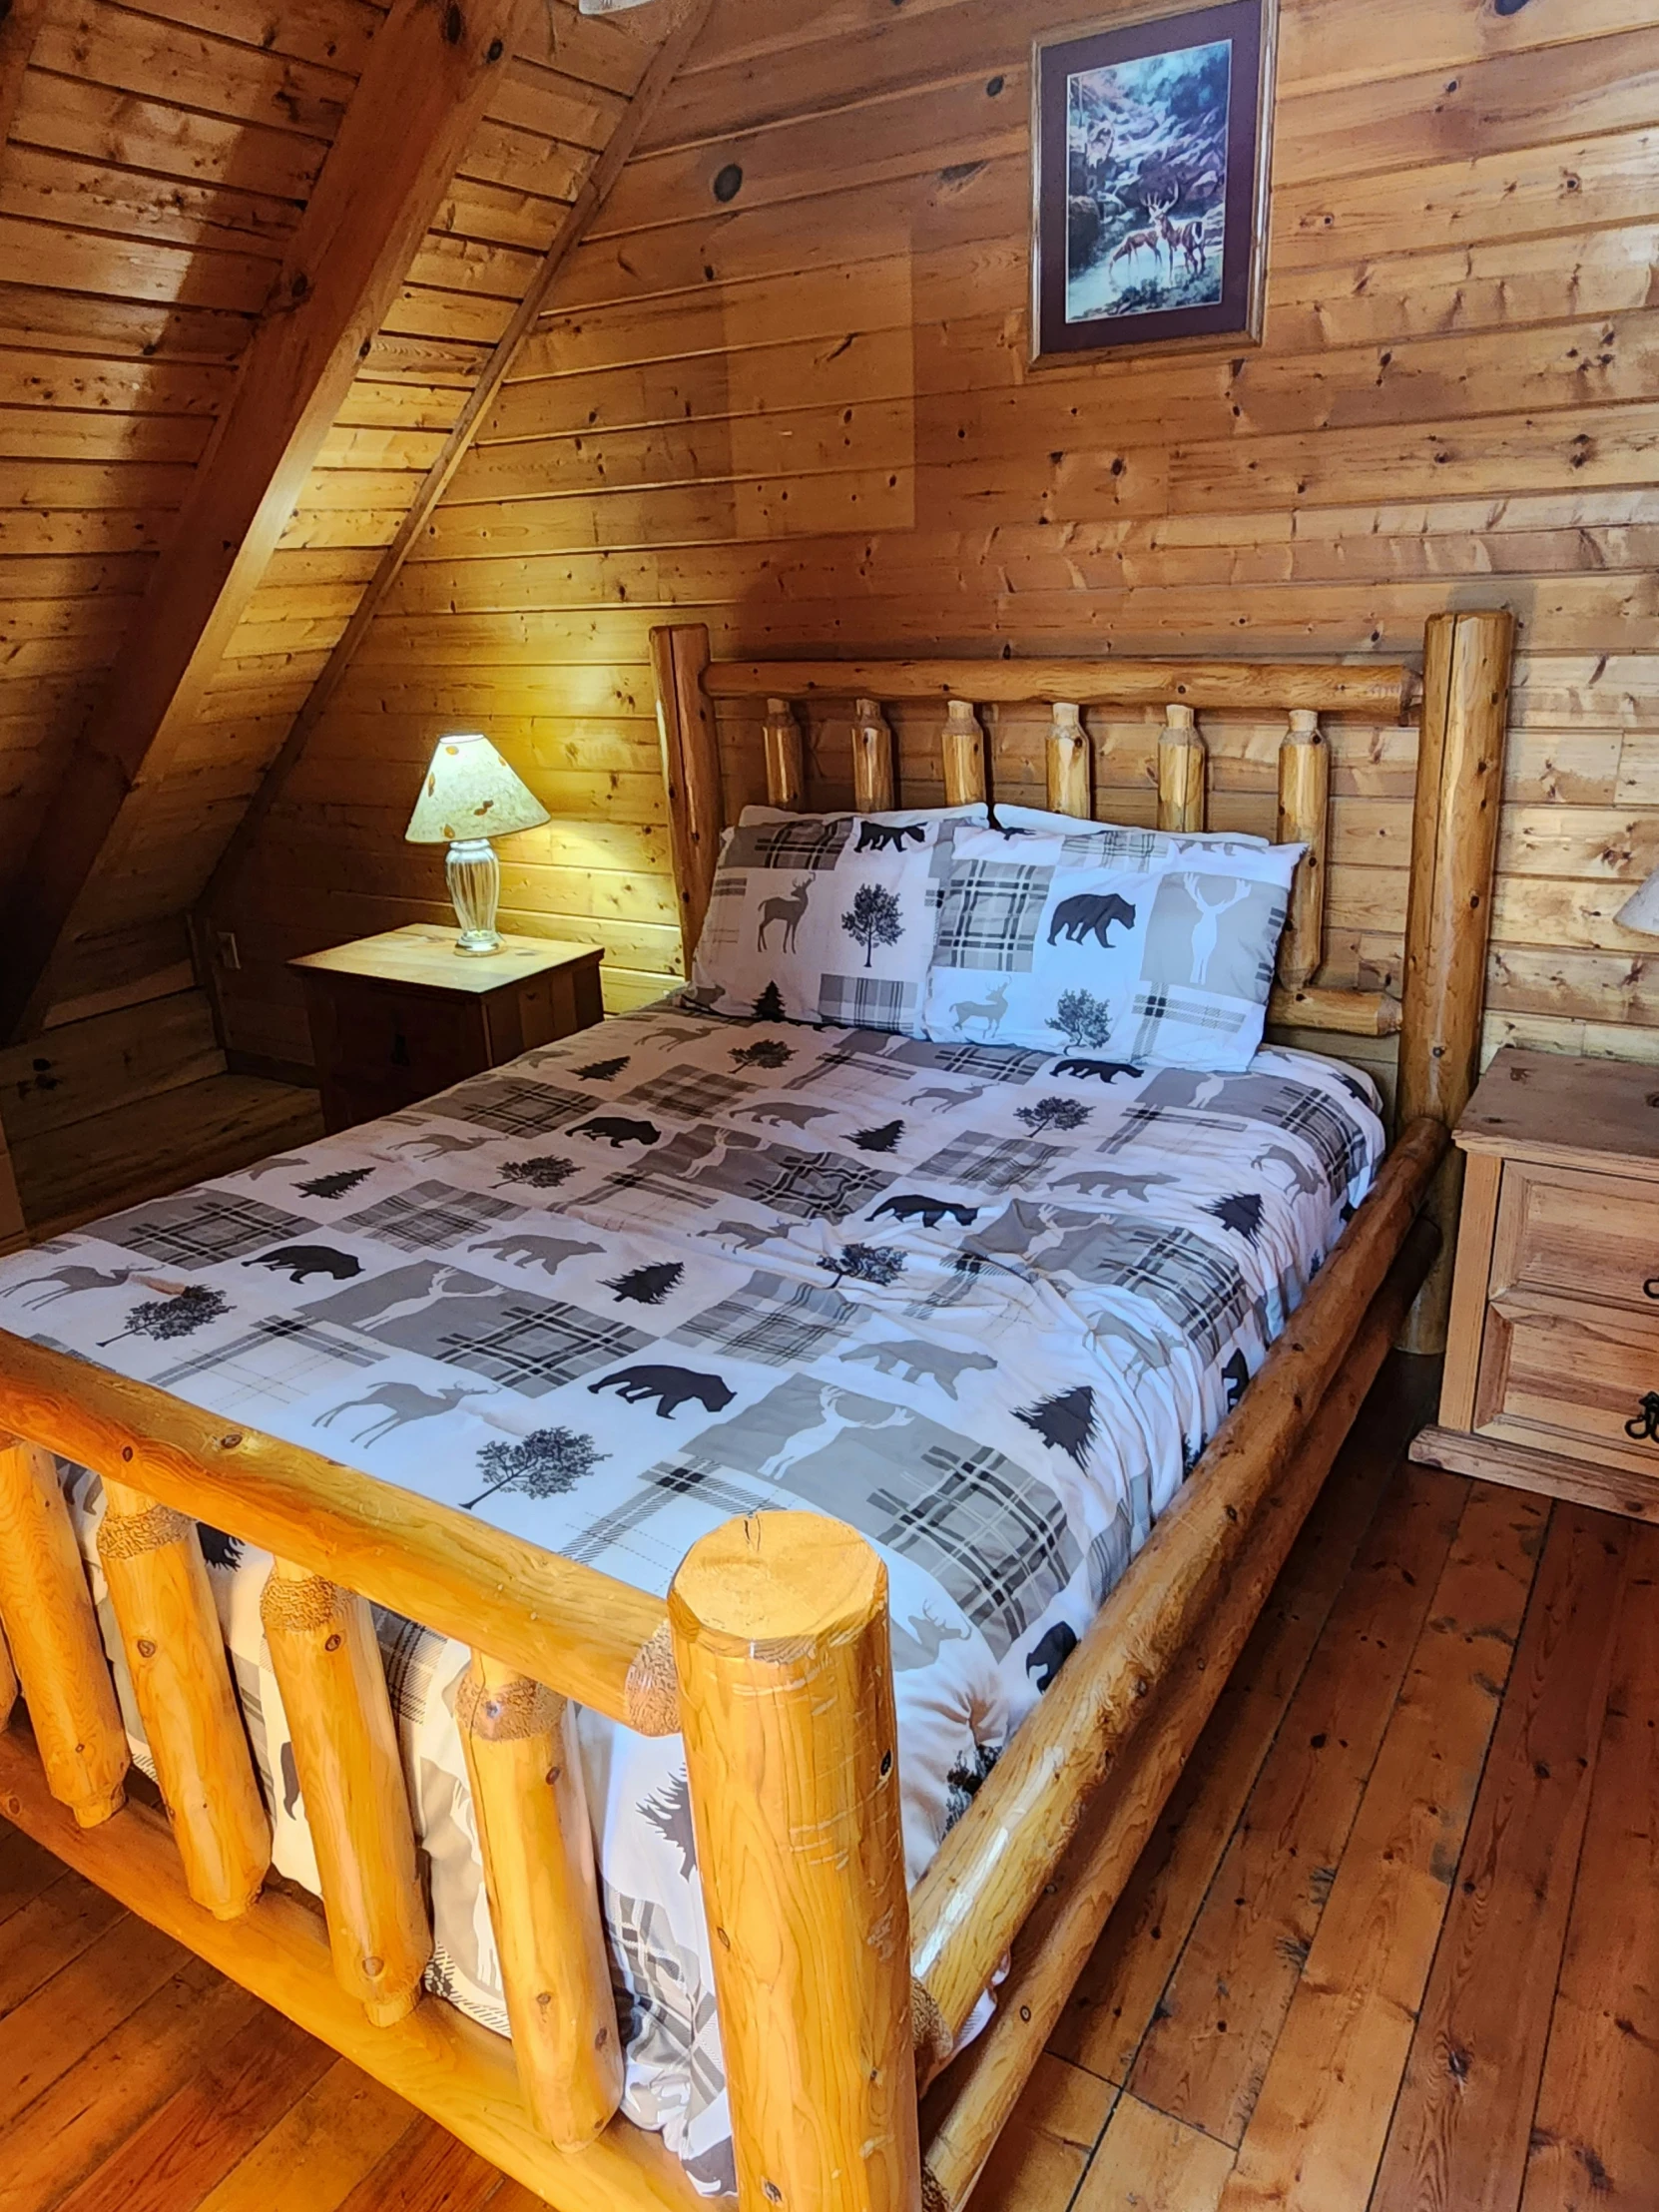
{"points": [[596, 190], [432, 65]]}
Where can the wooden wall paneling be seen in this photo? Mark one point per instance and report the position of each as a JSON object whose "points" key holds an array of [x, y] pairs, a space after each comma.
{"points": [[1451, 409], [422, 91]]}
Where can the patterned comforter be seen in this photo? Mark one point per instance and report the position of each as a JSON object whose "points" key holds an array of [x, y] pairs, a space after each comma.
{"points": [[987, 1305]]}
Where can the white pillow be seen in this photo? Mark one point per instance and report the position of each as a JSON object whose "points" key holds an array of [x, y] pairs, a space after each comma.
{"points": [[1161, 959], [1129, 839], [824, 917]]}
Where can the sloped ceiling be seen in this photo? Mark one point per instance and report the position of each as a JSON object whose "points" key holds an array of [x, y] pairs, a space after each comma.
{"points": [[157, 162]]}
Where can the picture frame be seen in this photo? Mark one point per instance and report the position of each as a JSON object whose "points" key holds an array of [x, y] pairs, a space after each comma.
{"points": [[1151, 144]]}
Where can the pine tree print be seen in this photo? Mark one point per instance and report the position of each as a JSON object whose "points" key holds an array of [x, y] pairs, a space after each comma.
{"points": [[874, 919], [770, 1005], [1243, 1215], [164, 1318], [881, 1139], [548, 1463], [859, 1263], [1065, 1423], [1082, 1019], [766, 1052], [544, 1173], [336, 1183], [601, 1071], [1053, 1113], [647, 1286]]}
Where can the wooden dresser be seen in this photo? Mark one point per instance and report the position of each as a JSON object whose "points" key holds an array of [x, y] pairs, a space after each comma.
{"points": [[396, 1017], [1552, 1360]]}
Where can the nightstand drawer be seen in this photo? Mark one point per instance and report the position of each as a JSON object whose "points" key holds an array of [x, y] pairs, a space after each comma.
{"points": [[1571, 1377], [376, 1032], [1591, 1235]]}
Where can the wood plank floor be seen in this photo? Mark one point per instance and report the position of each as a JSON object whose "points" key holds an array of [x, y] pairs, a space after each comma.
{"points": [[1395, 1946]]}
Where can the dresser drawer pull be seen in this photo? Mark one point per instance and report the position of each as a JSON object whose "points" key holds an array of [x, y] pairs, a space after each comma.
{"points": [[1650, 1289], [1645, 1428]]}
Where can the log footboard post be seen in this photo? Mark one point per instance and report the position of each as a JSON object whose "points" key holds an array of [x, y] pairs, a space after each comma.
{"points": [[531, 1810], [327, 1667], [46, 1607], [786, 1686], [1454, 824], [169, 1632]]}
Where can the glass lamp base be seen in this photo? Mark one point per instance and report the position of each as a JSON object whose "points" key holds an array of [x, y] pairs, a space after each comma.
{"points": [[474, 878]]}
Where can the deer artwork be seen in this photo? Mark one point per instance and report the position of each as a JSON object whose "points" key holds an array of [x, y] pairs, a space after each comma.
{"points": [[988, 1012], [786, 910], [1187, 239], [395, 1405], [1158, 237], [1207, 930]]}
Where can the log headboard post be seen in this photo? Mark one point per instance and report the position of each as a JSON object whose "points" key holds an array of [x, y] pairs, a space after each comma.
{"points": [[1454, 824], [691, 768]]}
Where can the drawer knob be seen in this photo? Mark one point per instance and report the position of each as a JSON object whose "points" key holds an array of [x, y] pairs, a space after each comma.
{"points": [[1644, 1428], [1650, 1289]]}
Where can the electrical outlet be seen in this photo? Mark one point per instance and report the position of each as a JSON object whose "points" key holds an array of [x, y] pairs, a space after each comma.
{"points": [[229, 955]]}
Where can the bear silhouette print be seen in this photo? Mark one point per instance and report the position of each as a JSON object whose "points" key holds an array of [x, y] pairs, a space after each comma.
{"points": [[672, 1387]]}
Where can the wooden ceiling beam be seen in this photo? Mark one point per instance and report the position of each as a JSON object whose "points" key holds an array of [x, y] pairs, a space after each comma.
{"points": [[432, 65], [596, 188]]}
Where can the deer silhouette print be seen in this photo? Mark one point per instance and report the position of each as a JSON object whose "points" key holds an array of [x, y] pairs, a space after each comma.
{"points": [[395, 1404], [1206, 930], [839, 1416], [988, 1012], [786, 910], [65, 1281]]}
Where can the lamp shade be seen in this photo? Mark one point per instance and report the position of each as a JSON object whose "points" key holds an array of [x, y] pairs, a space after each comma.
{"points": [[470, 792], [1641, 910]]}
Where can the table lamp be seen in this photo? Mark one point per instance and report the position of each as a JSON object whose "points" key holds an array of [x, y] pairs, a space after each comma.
{"points": [[1641, 910], [469, 796]]}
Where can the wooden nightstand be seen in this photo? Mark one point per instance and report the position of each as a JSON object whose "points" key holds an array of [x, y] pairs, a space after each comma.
{"points": [[396, 1017], [1552, 1361]]}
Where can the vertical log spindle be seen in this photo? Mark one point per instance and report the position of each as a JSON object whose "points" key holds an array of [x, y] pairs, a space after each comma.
{"points": [[873, 758], [327, 1667], [1181, 796], [963, 749], [531, 1809], [47, 1611], [8, 1684], [1454, 824], [784, 756], [786, 1693], [1303, 814], [175, 1650], [1070, 760], [691, 770]]}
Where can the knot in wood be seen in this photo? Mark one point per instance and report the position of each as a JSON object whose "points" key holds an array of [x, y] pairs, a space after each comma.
{"points": [[653, 1688], [929, 2033], [128, 1535], [508, 1711], [934, 2198], [299, 1606]]}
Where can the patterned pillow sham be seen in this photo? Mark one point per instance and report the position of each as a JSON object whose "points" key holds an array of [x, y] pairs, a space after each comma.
{"points": [[1124, 837], [825, 918], [1162, 958]]}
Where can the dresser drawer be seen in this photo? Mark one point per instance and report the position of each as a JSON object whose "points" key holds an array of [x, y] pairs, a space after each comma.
{"points": [[1571, 1377], [1591, 1235], [364, 1031]]}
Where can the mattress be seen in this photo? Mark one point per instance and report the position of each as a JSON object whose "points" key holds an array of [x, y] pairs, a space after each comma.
{"points": [[985, 1305]]}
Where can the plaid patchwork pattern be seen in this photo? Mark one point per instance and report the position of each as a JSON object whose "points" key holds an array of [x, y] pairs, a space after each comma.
{"points": [[995, 1537], [514, 1107], [813, 1186], [1334, 1135], [724, 920], [692, 1094], [198, 1229], [989, 916], [277, 1361], [726, 1499], [803, 842], [1155, 1013], [772, 1319], [868, 1001], [428, 1217], [990, 1163], [996, 1063], [533, 1347], [1194, 1282]]}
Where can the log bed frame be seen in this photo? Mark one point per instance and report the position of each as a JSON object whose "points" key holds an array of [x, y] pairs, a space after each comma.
{"points": [[839, 1997]]}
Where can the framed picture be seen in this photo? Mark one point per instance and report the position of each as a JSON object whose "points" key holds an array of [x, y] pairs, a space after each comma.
{"points": [[1150, 147]]}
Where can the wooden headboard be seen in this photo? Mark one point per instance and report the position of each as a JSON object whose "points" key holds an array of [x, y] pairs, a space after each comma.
{"points": [[1460, 704]]}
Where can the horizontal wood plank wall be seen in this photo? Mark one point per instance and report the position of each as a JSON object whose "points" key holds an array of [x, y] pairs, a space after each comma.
{"points": [[783, 390], [155, 169]]}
